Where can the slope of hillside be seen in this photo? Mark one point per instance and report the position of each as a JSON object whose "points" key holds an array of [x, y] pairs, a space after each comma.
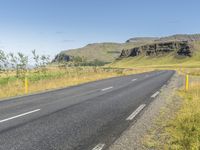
{"points": [[142, 39], [108, 52], [166, 60], [181, 37], [176, 37]]}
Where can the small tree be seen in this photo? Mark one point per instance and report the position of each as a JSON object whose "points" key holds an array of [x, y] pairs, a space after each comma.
{"points": [[36, 58], [13, 62], [45, 60], [41, 62], [4, 62], [19, 63]]}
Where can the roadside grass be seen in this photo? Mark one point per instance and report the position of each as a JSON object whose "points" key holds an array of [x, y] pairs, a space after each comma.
{"points": [[179, 130], [55, 77], [184, 129]]}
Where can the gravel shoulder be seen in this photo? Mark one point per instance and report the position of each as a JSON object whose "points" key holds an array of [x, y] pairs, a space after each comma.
{"points": [[133, 137]]}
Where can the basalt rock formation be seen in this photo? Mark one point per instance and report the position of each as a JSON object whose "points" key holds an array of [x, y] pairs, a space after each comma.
{"points": [[62, 58], [182, 48]]}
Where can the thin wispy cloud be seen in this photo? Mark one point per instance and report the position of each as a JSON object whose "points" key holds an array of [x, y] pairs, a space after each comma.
{"points": [[67, 41], [60, 32], [41, 33], [174, 22]]}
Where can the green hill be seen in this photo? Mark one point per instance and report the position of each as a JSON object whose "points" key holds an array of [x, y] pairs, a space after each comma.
{"points": [[171, 59], [105, 52], [109, 52]]}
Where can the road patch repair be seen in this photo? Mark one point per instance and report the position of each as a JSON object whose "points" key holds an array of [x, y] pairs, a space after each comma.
{"points": [[133, 137]]}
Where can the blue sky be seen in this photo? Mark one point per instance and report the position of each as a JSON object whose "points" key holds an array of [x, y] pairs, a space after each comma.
{"points": [[50, 26]]}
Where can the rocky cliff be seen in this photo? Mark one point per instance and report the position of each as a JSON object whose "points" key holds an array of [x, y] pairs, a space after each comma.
{"points": [[179, 47], [62, 58], [108, 52]]}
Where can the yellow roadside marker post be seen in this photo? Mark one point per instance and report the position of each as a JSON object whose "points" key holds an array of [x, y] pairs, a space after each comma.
{"points": [[26, 85], [187, 83]]}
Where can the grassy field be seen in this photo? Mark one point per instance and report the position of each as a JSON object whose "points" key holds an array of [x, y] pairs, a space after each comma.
{"points": [[56, 77], [161, 62]]}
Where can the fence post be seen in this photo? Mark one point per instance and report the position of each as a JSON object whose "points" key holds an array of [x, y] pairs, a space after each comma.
{"points": [[187, 82], [26, 85]]}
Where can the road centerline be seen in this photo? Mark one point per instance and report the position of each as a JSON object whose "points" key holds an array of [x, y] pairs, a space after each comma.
{"points": [[20, 115], [108, 88], [136, 112]]}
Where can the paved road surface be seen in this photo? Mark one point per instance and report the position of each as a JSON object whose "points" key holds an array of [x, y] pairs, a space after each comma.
{"points": [[85, 117]]}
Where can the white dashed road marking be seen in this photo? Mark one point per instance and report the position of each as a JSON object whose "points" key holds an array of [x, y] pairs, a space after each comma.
{"points": [[24, 114], [137, 111], [134, 80], [108, 88], [99, 147], [155, 94]]}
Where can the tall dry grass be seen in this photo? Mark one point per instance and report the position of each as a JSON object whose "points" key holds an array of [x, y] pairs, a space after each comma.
{"points": [[59, 78], [184, 129], [180, 130]]}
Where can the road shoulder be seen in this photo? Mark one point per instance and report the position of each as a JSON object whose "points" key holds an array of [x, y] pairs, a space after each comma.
{"points": [[133, 137]]}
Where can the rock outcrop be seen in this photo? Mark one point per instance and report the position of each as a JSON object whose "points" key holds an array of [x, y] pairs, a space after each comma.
{"points": [[142, 39], [62, 58], [158, 49]]}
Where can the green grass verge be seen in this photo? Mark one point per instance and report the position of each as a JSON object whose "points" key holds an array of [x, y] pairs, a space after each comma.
{"points": [[178, 127]]}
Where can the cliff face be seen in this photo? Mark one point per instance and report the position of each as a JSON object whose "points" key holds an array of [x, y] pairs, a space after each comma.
{"points": [[62, 58], [108, 52], [181, 48]]}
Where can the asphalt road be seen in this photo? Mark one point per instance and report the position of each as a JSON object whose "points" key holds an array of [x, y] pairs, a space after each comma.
{"points": [[85, 117]]}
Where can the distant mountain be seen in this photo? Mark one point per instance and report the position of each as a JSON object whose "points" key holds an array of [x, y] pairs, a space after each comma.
{"points": [[181, 37], [108, 52], [176, 37], [142, 39]]}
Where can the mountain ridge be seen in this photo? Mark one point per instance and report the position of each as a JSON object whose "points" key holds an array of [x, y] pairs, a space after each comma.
{"points": [[110, 51]]}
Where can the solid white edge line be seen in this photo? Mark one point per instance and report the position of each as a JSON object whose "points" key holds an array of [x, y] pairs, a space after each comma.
{"points": [[137, 111], [134, 80], [99, 147], [108, 88], [155, 94], [4, 120]]}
